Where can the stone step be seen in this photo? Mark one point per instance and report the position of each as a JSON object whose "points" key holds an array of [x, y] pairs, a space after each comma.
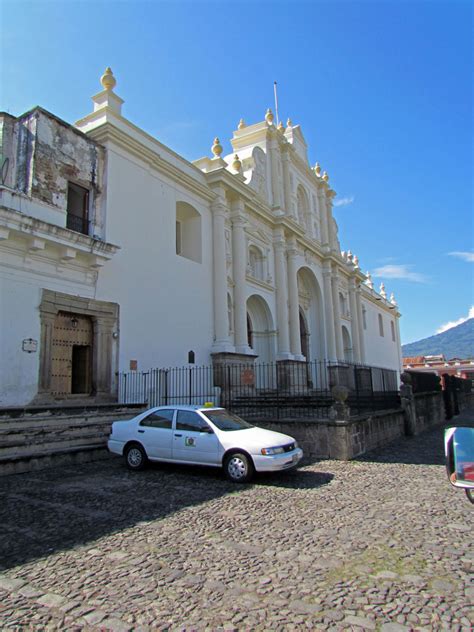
{"points": [[38, 440]]}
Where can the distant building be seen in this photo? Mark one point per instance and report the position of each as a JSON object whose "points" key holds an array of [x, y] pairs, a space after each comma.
{"points": [[440, 365], [118, 254]]}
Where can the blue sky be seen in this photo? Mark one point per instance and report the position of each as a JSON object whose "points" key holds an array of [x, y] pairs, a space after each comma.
{"points": [[382, 90]]}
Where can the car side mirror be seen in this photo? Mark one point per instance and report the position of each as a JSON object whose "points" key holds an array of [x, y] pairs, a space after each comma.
{"points": [[459, 450]]}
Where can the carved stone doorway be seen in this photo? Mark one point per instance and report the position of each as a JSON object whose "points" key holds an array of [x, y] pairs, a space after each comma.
{"points": [[78, 349]]}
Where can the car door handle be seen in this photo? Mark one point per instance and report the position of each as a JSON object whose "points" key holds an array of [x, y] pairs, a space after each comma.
{"points": [[141, 431], [178, 435]]}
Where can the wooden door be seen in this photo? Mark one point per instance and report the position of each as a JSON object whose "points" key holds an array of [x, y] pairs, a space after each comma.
{"points": [[71, 331]]}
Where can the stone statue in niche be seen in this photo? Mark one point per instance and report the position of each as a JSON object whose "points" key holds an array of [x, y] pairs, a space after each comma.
{"points": [[259, 175], [335, 230]]}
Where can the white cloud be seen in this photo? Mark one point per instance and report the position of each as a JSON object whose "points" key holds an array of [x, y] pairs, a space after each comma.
{"points": [[401, 271], [454, 323], [344, 201], [467, 256]]}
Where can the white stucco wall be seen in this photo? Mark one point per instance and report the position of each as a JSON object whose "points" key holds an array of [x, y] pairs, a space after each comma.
{"points": [[22, 279], [380, 350], [166, 300]]}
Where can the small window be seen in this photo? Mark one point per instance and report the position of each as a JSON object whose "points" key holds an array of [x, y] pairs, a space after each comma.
{"points": [[190, 421], [159, 419], [188, 232], [381, 325], [392, 327], [77, 218], [364, 317]]}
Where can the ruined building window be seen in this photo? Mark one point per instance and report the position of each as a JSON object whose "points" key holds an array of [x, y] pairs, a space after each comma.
{"points": [[77, 209], [380, 325], [392, 327]]}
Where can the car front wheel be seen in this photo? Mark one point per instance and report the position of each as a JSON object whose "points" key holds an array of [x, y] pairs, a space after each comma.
{"points": [[135, 457], [238, 468]]}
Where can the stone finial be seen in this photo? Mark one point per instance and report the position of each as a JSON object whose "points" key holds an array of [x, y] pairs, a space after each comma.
{"points": [[237, 165], [108, 80], [281, 127], [356, 261], [349, 256], [216, 148], [289, 123], [344, 255], [269, 116], [382, 290], [392, 299], [317, 169], [242, 124], [369, 281], [325, 176]]}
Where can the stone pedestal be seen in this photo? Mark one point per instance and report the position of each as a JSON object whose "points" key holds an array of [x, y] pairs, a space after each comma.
{"points": [[234, 374], [292, 375]]}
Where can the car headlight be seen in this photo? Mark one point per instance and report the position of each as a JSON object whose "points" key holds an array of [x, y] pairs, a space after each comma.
{"points": [[271, 451]]}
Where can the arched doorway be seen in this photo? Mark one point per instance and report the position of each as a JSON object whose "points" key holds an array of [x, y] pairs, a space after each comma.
{"points": [[261, 339], [311, 325], [304, 336], [347, 344]]}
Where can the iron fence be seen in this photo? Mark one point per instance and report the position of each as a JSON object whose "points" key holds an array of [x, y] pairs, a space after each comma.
{"points": [[265, 391]]}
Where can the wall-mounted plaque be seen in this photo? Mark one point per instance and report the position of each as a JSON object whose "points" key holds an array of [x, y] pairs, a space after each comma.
{"points": [[29, 345]]}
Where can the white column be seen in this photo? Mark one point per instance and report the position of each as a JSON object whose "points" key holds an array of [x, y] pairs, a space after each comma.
{"points": [[281, 296], [221, 325], [276, 197], [330, 224], [329, 312], [239, 265], [294, 308], [285, 156], [354, 321], [337, 316], [361, 325], [323, 221], [398, 342]]}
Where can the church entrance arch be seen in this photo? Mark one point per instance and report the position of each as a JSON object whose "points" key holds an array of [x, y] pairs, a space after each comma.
{"points": [[347, 344], [261, 339], [311, 323]]}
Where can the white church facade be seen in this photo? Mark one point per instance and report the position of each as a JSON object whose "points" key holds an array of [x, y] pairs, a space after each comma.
{"points": [[117, 254]]}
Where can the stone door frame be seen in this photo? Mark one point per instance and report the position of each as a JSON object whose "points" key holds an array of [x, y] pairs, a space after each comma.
{"points": [[105, 324]]}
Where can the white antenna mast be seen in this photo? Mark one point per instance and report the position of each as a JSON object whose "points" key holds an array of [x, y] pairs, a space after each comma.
{"points": [[276, 101]]}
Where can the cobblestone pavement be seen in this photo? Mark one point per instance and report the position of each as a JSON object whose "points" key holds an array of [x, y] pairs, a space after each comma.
{"points": [[381, 543]]}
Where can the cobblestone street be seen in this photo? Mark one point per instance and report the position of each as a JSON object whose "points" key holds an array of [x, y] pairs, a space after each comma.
{"points": [[381, 543]]}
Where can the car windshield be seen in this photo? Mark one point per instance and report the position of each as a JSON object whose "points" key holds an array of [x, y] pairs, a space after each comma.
{"points": [[224, 420]]}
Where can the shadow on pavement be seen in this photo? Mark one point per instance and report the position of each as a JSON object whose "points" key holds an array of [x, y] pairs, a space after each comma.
{"points": [[62, 508]]}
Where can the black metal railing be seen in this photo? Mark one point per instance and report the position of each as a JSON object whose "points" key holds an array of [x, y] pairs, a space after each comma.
{"points": [[265, 391], [79, 224]]}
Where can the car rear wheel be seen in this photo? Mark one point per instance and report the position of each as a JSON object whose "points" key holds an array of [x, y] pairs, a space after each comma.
{"points": [[135, 457], [238, 468]]}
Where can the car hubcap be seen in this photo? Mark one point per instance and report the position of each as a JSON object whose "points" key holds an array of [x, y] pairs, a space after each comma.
{"points": [[134, 457], [237, 468]]}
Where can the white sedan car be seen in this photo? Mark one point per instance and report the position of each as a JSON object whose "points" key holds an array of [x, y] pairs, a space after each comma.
{"points": [[202, 435]]}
